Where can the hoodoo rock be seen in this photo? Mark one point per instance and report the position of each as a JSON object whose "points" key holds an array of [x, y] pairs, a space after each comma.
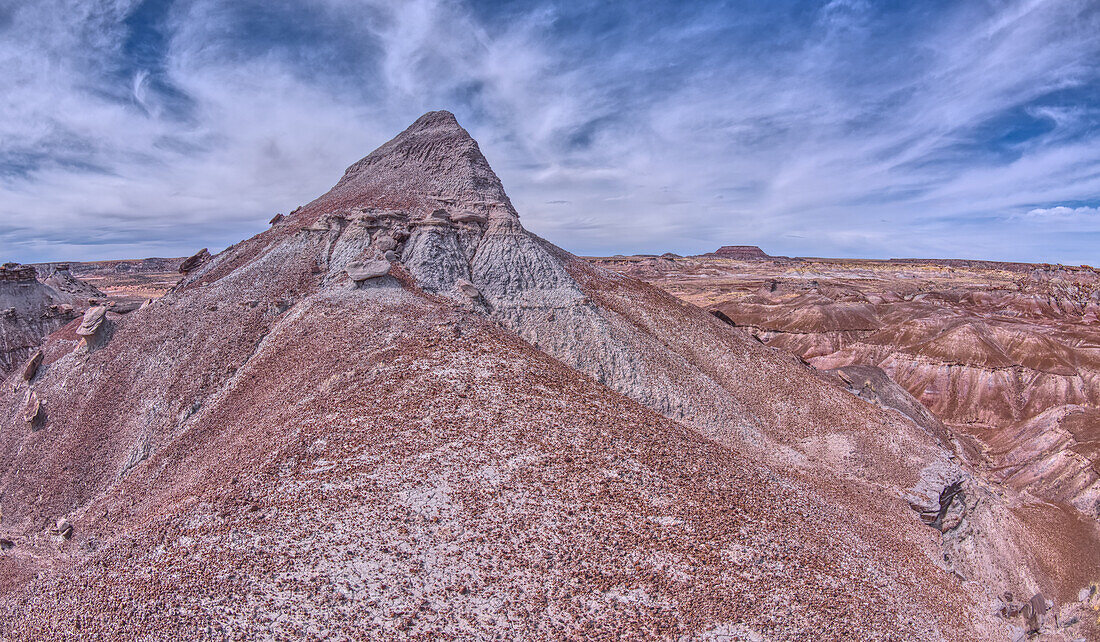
{"points": [[576, 455], [92, 321]]}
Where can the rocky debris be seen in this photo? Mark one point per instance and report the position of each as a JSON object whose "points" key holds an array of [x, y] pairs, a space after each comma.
{"points": [[364, 271], [6, 544], [467, 288], [192, 263], [64, 528], [31, 367], [93, 321], [32, 408]]}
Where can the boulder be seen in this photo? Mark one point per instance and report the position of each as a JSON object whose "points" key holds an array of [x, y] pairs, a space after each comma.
{"points": [[194, 261], [275, 219], [64, 528], [385, 243], [391, 256], [31, 368], [467, 288], [93, 320], [126, 307], [368, 270], [32, 408]]}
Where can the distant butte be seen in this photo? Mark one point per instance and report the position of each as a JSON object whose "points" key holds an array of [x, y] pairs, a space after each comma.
{"points": [[741, 253]]}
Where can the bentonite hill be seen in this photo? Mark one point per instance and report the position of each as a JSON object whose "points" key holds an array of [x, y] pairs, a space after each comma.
{"points": [[398, 414]]}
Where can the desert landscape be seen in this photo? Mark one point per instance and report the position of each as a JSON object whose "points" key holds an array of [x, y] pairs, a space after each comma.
{"points": [[397, 413]]}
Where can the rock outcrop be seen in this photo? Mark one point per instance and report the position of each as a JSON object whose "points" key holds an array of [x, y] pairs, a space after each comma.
{"points": [[59, 276], [29, 310], [369, 270], [194, 261]]}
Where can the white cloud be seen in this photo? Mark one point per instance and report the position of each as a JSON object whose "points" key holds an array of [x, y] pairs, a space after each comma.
{"points": [[1064, 213], [666, 135]]}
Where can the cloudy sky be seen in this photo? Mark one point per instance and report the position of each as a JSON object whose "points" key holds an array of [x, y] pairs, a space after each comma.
{"points": [[934, 128]]}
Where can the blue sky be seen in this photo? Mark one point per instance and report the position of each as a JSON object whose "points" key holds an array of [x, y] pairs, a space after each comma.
{"points": [[842, 128]]}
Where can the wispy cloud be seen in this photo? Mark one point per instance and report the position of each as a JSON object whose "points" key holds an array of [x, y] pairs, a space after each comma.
{"points": [[1082, 215], [934, 129]]}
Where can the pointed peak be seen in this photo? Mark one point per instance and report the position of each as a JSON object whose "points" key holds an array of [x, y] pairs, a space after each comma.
{"points": [[440, 129], [438, 125], [434, 158], [441, 119]]}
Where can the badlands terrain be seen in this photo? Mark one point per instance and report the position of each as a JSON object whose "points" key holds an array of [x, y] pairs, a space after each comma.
{"points": [[1007, 355], [396, 414]]}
